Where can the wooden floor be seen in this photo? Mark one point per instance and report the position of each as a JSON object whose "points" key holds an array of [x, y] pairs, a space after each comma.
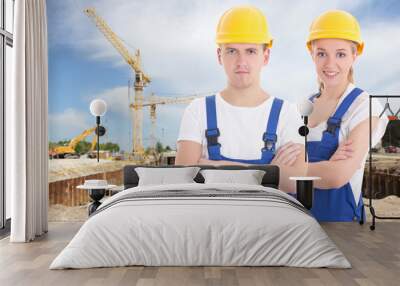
{"points": [[374, 255]]}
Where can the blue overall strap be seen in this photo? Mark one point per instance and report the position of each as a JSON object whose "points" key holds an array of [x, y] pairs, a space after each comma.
{"points": [[330, 137], [269, 136], [212, 131], [335, 121]]}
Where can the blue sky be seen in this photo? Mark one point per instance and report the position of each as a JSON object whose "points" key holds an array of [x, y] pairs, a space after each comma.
{"points": [[176, 39]]}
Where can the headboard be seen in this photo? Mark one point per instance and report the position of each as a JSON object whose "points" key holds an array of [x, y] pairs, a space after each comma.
{"points": [[270, 179]]}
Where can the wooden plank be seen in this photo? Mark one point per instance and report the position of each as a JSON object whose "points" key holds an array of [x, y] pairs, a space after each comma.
{"points": [[374, 255]]}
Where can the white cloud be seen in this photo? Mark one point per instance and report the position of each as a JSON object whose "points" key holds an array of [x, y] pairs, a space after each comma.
{"points": [[116, 99], [379, 65], [119, 119], [68, 124]]}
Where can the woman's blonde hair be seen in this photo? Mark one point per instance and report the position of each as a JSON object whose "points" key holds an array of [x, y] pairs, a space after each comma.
{"points": [[350, 76]]}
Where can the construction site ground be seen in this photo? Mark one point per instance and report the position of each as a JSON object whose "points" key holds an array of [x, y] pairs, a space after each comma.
{"points": [[60, 169]]}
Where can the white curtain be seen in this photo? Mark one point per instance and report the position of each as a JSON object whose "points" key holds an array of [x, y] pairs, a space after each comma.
{"points": [[26, 123]]}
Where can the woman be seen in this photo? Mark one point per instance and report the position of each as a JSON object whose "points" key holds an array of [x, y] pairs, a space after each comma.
{"points": [[339, 125]]}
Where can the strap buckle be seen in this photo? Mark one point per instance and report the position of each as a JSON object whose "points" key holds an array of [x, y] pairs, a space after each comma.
{"points": [[212, 136], [269, 140], [333, 124]]}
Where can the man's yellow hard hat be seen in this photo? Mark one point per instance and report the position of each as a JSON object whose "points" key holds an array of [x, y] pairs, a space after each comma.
{"points": [[336, 24], [243, 24]]}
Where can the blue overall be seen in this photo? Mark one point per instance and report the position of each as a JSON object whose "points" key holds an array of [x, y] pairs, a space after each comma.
{"points": [[269, 137], [334, 204]]}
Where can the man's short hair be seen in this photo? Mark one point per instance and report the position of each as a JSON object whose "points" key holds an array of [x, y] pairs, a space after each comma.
{"points": [[264, 46]]}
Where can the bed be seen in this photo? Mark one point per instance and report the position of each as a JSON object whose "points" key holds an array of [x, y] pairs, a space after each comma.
{"points": [[201, 224]]}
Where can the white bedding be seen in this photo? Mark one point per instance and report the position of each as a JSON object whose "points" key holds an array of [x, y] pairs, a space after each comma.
{"points": [[182, 231]]}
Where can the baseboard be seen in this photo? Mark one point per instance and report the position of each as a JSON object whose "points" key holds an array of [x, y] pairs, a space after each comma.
{"points": [[5, 231]]}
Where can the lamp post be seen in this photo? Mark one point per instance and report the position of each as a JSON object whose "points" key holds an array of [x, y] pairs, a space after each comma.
{"points": [[98, 107], [304, 185], [305, 109]]}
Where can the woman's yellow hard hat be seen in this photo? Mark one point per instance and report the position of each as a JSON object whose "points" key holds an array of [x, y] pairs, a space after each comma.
{"points": [[243, 24], [336, 24]]}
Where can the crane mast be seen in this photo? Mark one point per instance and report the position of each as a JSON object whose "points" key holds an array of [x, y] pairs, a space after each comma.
{"points": [[141, 79]]}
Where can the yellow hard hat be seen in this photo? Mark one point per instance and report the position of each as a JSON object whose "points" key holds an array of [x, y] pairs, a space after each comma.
{"points": [[336, 24], [243, 24]]}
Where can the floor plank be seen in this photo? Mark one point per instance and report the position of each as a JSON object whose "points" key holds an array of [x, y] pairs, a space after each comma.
{"points": [[374, 255]]}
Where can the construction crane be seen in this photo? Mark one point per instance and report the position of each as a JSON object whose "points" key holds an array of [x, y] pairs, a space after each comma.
{"points": [[69, 150], [152, 103], [141, 80]]}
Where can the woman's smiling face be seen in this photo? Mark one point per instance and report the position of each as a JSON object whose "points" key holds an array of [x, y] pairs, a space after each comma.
{"points": [[333, 60]]}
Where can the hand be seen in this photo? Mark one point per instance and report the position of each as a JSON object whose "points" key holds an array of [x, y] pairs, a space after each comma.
{"points": [[343, 152], [287, 154]]}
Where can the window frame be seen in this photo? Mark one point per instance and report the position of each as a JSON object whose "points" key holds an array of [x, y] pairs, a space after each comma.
{"points": [[6, 39]]}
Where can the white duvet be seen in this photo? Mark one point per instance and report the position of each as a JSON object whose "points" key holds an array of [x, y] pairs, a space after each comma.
{"points": [[183, 231]]}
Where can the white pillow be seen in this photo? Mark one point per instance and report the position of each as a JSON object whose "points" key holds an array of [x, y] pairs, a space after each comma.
{"points": [[166, 176], [248, 177]]}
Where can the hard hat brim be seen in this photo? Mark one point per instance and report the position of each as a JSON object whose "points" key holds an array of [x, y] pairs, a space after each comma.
{"points": [[239, 39], [360, 44]]}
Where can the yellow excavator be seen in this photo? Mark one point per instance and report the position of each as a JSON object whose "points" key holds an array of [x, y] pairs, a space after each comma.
{"points": [[69, 150]]}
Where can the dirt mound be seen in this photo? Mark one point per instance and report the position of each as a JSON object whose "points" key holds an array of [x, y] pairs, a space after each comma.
{"points": [[61, 169]]}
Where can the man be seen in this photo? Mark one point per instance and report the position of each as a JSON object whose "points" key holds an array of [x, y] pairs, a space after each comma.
{"points": [[243, 124]]}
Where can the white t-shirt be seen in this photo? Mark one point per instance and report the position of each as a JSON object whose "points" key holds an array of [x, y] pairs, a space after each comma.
{"points": [[241, 128], [357, 112]]}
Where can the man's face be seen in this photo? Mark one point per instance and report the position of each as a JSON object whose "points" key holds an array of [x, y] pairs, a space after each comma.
{"points": [[243, 63]]}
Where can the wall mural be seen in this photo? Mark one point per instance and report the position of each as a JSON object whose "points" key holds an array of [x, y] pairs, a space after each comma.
{"points": [[147, 61]]}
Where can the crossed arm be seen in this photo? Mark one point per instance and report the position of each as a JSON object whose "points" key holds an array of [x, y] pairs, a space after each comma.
{"points": [[289, 158], [334, 173], [189, 153], [347, 159]]}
